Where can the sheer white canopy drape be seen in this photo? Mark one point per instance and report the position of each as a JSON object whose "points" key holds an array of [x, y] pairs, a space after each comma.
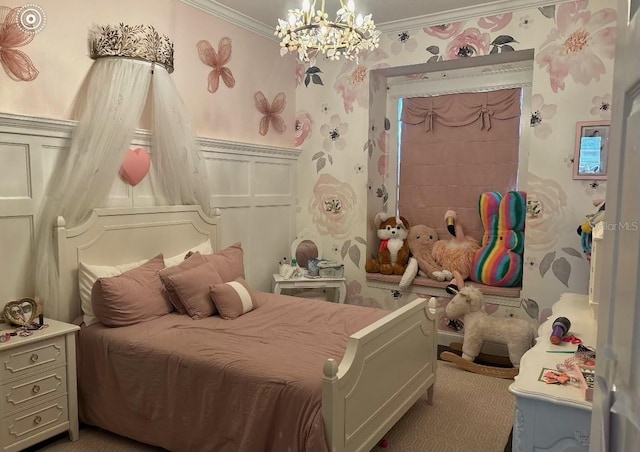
{"points": [[116, 92]]}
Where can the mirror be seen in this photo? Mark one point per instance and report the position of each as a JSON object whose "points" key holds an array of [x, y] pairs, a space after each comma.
{"points": [[21, 312], [304, 248], [591, 150]]}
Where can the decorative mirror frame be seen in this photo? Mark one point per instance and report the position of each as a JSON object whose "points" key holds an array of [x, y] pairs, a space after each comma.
{"points": [[589, 129], [13, 311]]}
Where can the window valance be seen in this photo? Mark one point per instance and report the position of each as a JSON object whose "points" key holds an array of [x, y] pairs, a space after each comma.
{"points": [[456, 110]]}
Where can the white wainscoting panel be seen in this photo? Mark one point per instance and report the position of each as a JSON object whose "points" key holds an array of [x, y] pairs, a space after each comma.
{"points": [[229, 177], [273, 228], [252, 185], [255, 188], [16, 249], [15, 171], [274, 180]]}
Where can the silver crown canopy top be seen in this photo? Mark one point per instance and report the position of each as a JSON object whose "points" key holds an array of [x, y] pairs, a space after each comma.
{"points": [[141, 42]]}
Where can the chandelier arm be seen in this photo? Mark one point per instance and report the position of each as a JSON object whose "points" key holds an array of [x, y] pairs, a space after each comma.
{"points": [[304, 28]]}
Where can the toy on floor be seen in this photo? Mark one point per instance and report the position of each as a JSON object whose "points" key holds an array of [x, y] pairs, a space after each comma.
{"points": [[517, 334], [421, 240], [393, 250], [456, 254], [499, 261]]}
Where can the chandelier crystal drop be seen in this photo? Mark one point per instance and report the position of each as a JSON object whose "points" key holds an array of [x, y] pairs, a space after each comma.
{"points": [[308, 31]]}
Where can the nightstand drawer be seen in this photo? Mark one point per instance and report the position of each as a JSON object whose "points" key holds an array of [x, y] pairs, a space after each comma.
{"points": [[27, 423], [17, 361], [31, 389]]}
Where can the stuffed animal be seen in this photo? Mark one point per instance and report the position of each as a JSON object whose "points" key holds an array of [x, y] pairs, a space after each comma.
{"points": [[499, 261], [393, 251], [421, 240], [468, 305], [456, 254]]}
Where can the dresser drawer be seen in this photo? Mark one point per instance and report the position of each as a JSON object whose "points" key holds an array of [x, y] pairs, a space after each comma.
{"points": [[30, 422], [18, 361], [21, 392]]}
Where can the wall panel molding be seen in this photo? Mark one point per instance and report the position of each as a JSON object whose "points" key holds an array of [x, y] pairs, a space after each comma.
{"points": [[48, 127], [247, 201]]}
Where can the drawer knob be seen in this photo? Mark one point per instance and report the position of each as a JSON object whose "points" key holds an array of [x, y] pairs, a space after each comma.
{"points": [[34, 358], [35, 389], [37, 420]]}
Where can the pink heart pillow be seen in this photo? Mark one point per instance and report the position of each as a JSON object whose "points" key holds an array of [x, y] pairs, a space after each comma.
{"points": [[135, 166]]}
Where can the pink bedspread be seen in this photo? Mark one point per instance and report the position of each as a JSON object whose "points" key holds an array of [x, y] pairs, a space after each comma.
{"points": [[251, 384]]}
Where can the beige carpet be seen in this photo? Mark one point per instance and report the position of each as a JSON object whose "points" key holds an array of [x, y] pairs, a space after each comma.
{"points": [[470, 413]]}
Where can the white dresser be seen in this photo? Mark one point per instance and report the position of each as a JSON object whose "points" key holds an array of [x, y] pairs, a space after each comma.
{"points": [[38, 384], [551, 417]]}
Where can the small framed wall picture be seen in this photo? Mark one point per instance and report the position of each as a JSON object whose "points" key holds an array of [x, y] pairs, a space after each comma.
{"points": [[591, 150]]}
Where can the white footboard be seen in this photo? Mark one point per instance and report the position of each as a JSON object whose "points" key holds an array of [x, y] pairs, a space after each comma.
{"points": [[387, 367]]}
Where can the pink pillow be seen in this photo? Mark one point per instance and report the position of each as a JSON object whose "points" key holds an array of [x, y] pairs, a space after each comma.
{"points": [[194, 260], [192, 288], [233, 298], [228, 262], [134, 296]]}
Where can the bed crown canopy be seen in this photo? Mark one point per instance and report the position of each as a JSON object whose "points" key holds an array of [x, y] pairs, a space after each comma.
{"points": [[132, 64], [138, 41]]}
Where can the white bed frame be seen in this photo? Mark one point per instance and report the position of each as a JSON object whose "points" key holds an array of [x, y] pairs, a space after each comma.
{"points": [[386, 368]]}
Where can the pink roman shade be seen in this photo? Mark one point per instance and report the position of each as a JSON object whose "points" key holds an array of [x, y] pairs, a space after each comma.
{"points": [[453, 148]]}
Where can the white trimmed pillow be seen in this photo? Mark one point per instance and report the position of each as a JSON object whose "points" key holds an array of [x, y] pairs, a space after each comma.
{"points": [[233, 299], [203, 248], [89, 274]]}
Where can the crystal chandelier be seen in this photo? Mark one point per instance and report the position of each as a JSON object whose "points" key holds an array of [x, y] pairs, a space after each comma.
{"points": [[308, 32]]}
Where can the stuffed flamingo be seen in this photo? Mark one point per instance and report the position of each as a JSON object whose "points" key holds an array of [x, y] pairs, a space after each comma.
{"points": [[457, 253]]}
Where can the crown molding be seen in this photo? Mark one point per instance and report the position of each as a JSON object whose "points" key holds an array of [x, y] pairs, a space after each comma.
{"points": [[232, 16], [460, 14], [497, 7]]}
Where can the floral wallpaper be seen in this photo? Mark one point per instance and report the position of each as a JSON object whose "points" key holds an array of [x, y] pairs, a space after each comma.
{"points": [[343, 133]]}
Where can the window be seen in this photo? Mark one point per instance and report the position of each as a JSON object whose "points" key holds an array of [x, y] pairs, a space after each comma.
{"points": [[452, 148], [479, 81]]}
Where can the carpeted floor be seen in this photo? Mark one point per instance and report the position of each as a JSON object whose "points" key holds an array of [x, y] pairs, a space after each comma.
{"points": [[470, 412]]}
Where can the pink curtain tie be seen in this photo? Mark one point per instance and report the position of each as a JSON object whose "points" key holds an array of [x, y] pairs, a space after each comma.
{"points": [[428, 121], [485, 117]]}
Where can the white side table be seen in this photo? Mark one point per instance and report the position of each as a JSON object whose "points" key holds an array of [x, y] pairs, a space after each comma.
{"points": [[38, 384], [301, 282]]}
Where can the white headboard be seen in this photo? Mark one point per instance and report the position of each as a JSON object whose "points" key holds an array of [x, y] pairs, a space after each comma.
{"points": [[119, 235]]}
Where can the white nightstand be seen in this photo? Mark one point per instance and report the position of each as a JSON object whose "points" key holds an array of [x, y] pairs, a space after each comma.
{"points": [[280, 283], [38, 383]]}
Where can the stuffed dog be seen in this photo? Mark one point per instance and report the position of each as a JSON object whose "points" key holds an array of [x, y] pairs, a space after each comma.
{"points": [[393, 250]]}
